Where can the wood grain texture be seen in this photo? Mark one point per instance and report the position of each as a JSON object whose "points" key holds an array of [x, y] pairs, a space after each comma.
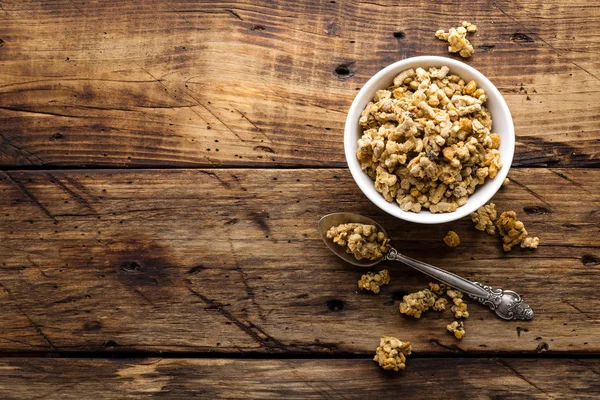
{"points": [[298, 379], [231, 261], [213, 83]]}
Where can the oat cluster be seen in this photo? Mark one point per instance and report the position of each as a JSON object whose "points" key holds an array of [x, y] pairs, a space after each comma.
{"points": [[513, 232], [438, 289], [530, 242], [363, 241], [460, 307], [457, 328], [451, 239], [372, 281], [391, 353], [415, 304], [440, 304], [484, 218], [427, 142], [457, 39]]}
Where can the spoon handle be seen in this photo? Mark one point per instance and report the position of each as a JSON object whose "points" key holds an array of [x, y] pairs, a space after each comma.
{"points": [[506, 303]]}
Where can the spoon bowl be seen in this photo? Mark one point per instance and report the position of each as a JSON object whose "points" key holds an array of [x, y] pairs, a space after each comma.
{"points": [[335, 219]]}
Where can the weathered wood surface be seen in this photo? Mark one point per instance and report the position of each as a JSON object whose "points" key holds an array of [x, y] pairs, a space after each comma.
{"points": [[298, 379], [231, 261], [188, 83]]}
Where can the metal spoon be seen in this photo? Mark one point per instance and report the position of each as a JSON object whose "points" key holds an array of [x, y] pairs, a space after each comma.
{"points": [[506, 303]]}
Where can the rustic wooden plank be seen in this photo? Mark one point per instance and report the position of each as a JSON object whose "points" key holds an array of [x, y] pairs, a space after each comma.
{"points": [[188, 83], [231, 261], [501, 378]]}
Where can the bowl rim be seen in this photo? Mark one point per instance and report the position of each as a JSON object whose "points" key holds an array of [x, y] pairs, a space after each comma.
{"points": [[352, 122]]}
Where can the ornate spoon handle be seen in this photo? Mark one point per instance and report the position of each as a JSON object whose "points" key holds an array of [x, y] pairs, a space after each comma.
{"points": [[506, 303]]}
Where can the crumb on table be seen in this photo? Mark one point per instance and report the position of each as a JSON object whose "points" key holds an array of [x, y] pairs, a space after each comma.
{"points": [[451, 239], [457, 328], [440, 304], [438, 288], [530, 242], [459, 308]]}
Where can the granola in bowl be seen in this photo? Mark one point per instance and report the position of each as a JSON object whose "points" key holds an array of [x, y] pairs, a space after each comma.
{"points": [[427, 140]]}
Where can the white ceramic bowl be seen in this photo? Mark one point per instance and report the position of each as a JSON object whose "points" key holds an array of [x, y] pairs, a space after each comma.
{"points": [[502, 124]]}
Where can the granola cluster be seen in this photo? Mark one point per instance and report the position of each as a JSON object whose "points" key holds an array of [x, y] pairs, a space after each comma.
{"points": [[438, 289], [363, 241], [513, 232], [372, 281], [440, 304], [457, 39], [451, 239], [415, 304], [427, 142], [457, 328], [484, 218], [391, 353]]}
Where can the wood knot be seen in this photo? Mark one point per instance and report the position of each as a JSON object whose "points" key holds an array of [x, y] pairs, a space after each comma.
{"points": [[399, 295], [487, 47], [131, 267], [536, 210], [589, 259], [92, 326], [111, 343], [335, 305], [344, 71], [541, 347], [520, 37]]}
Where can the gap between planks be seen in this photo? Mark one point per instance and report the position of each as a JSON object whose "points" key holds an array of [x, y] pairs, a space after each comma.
{"points": [[286, 356]]}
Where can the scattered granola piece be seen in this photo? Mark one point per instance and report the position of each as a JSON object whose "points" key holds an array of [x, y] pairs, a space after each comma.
{"points": [[471, 28], [484, 218], [454, 294], [415, 304], [391, 353], [438, 288], [372, 281], [427, 142], [459, 308], [457, 38], [505, 182], [512, 231], [451, 239], [530, 242], [457, 328], [440, 304], [363, 241]]}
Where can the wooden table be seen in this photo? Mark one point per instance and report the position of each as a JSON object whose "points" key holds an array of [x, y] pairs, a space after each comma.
{"points": [[164, 164]]}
